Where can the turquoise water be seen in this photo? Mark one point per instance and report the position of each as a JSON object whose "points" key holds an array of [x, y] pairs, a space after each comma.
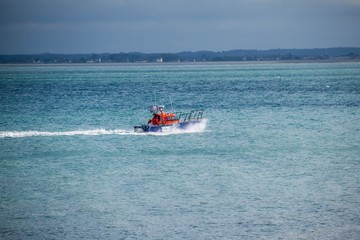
{"points": [[279, 158]]}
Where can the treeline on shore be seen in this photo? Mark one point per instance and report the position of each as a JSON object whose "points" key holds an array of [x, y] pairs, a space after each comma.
{"points": [[346, 53]]}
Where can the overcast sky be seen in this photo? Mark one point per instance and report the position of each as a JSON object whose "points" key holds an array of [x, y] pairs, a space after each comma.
{"points": [[99, 26]]}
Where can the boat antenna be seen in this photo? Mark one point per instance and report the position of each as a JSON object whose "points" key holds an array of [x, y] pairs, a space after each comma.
{"points": [[154, 98], [171, 104]]}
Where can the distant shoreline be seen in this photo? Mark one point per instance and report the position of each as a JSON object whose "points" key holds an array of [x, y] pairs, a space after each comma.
{"points": [[341, 54], [182, 63]]}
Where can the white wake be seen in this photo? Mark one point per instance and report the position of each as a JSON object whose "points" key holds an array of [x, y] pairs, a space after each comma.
{"points": [[94, 132]]}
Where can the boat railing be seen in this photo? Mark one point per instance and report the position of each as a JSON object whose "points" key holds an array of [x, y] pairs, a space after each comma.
{"points": [[193, 115]]}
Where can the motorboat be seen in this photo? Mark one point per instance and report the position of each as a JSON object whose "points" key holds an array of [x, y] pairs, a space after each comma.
{"points": [[162, 121]]}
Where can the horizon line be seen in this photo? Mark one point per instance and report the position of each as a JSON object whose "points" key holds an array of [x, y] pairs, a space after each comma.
{"points": [[183, 51]]}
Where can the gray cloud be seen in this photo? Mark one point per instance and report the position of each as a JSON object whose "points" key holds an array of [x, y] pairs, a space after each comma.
{"points": [[175, 25]]}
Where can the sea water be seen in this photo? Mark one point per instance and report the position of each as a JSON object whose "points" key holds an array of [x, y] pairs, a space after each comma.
{"points": [[279, 157]]}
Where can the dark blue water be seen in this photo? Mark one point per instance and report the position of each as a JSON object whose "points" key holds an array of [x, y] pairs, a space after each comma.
{"points": [[279, 158]]}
